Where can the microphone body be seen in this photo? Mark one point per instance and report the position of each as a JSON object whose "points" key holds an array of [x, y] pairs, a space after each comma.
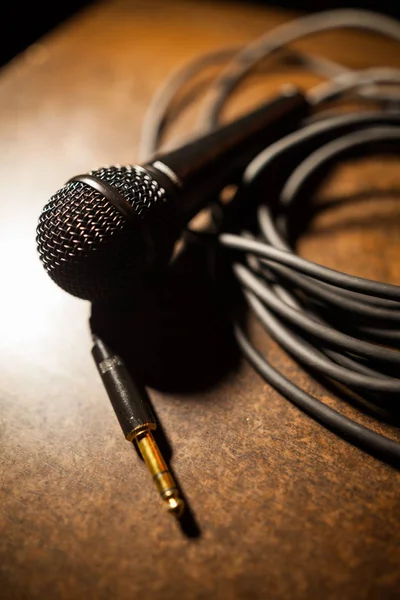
{"points": [[207, 164], [104, 231]]}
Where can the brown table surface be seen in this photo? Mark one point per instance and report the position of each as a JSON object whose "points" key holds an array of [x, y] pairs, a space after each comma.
{"points": [[285, 508]]}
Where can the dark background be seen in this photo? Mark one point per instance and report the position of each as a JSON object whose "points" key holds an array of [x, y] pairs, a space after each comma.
{"points": [[25, 23]]}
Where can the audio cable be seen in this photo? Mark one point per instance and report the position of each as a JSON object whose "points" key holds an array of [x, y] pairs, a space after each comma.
{"points": [[341, 327]]}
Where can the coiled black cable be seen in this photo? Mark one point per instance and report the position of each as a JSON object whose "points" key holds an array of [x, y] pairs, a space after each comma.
{"points": [[342, 327]]}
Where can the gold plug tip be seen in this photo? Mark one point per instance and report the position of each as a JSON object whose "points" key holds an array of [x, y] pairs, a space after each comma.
{"points": [[176, 506], [160, 472]]}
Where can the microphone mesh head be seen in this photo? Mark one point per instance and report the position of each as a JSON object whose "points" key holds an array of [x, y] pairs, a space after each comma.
{"points": [[92, 250]]}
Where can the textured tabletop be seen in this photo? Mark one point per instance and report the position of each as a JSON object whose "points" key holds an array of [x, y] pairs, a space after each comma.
{"points": [[285, 509]]}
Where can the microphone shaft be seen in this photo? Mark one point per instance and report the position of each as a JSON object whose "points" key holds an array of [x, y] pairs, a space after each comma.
{"points": [[204, 166]]}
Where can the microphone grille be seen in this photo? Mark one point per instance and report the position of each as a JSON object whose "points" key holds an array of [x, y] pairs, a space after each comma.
{"points": [[84, 242]]}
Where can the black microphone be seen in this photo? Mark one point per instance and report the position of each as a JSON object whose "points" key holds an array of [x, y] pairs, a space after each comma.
{"points": [[102, 231]]}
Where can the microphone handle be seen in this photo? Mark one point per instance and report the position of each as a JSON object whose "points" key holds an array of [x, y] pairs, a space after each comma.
{"points": [[204, 166]]}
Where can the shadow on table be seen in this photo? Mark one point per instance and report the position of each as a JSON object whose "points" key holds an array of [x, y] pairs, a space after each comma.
{"points": [[176, 334]]}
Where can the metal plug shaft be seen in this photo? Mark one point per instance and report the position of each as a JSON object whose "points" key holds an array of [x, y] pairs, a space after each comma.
{"points": [[132, 407], [160, 472]]}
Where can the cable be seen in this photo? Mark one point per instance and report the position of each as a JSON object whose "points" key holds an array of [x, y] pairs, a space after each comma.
{"points": [[342, 328]]}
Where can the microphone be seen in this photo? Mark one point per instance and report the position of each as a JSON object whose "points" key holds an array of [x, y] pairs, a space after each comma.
{"points": [[103, 231]]}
